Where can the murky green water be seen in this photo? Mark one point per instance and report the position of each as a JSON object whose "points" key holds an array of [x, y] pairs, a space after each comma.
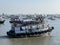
{"points": [[53, 39]]}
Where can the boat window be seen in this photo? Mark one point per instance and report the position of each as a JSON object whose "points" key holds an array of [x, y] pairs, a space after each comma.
{"points": [[23, 28], [18, 24]]}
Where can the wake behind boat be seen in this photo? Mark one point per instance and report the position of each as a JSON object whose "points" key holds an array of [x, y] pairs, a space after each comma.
{"points": [[29, 27]]}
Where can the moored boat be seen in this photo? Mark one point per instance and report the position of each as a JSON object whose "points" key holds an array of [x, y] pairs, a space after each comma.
{"points": [[14, 19], [1, 20]]}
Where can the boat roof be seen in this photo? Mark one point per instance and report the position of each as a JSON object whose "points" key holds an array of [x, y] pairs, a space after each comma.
{"points": [[28, 20]]}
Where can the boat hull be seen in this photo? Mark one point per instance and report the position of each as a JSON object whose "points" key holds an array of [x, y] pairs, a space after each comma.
{"points": [[12, 34], [1, 22], [10, 21], [15, 21]]}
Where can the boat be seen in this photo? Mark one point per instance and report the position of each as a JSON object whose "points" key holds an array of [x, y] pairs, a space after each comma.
{"points": [[12, 19], [29, 27], [51, 18], [1, 20]]}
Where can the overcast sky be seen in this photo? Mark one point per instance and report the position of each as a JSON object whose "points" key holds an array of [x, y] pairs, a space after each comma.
{"points": [[30, 6]]}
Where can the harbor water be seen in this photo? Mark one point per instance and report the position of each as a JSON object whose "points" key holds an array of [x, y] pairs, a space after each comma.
{"points": [[53, 39]]}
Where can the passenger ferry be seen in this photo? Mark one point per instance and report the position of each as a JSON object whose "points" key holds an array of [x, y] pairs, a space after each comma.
{"points": [[29, 27]]}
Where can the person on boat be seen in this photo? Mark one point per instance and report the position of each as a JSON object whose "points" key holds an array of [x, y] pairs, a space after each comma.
{"points": [[17, 20]]}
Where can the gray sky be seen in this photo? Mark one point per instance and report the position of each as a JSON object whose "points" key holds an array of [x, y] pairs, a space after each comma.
{"points": [[30, 6]]}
